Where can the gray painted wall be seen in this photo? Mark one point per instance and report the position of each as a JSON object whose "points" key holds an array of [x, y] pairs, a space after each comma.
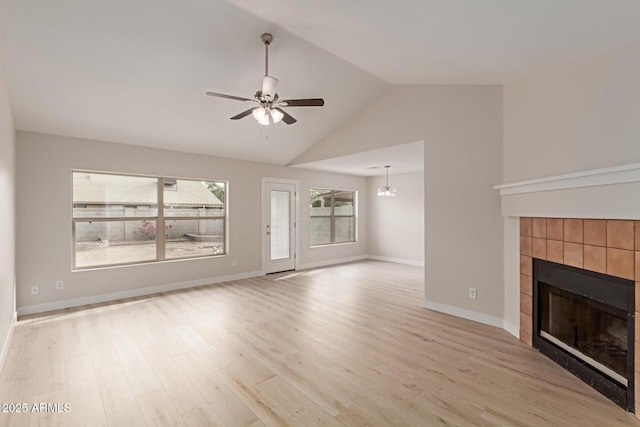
{"points": [[396, 224], [44, 164], [7, 212], [461, 127]]}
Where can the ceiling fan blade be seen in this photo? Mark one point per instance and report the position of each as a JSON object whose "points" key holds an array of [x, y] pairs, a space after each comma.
{"points": [[243, 114], [287, 118], [312, 102], [222, 95]]}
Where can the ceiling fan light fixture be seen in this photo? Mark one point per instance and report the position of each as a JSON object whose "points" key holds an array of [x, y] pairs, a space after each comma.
{"points": [[259, 113], [276, 116], [387, 191], [264, 121]]}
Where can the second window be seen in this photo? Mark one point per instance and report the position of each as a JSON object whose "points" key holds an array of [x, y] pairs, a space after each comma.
{"points": [[333, 216]]}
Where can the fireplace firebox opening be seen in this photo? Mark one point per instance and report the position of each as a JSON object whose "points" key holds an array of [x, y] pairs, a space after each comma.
{"points": [[584, 321]]}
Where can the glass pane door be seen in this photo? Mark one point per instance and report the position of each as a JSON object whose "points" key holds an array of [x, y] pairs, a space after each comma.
{"points": [[279, 214], [280, 236]]}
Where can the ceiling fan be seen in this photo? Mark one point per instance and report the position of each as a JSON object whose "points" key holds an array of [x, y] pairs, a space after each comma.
{"points": [[268, 108]]}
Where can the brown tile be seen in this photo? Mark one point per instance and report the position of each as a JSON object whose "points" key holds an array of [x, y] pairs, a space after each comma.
{"points": [[526, 322], [526, 286], [525, 245], [573, 230], [595, 232], [525, 337], [637, 270], [620, 263], [595, 258], [555, 251], [620, 234], [636, 391], [526, 266], [637, 355], [539, 228], [526, 304], [555, 227], [637, 239], [525, 227], [637, 307], [573, 254], [539, 248]]}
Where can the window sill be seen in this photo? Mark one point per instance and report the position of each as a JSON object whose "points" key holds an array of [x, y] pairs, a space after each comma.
{"points": [[324, 245], [137, 264]]}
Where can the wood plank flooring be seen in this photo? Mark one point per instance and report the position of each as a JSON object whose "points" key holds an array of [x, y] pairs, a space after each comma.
{"points": [[347, 345]]}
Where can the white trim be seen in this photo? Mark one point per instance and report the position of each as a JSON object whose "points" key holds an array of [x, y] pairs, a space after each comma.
{"points": [[75, 302], [7, 341], [512, 328], [397, 260], [331, 262], [465, 314], [605, 176]]}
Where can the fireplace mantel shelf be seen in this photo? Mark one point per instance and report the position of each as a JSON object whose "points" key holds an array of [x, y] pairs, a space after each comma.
{"points": [[605, 176]]}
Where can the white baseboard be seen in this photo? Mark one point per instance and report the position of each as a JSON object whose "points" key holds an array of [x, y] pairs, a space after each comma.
{"points": [[330, 262], [75, 302], [465, 314], [512, 328], [7, 341], [397, 260]]}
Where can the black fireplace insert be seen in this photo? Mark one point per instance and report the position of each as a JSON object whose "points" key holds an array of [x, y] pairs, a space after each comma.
{"points": [[584, 321]]}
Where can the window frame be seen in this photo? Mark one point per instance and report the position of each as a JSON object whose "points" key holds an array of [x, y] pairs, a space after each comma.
{"points": [[332, 217], [159, 219]]}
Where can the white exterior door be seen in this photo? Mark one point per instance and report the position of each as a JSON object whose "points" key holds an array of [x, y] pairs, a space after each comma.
{"points": [[279, 226]]}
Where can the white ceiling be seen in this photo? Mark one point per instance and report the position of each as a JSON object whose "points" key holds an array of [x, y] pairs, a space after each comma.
{"points": [[402, 158], [135, 71], [456, 41]]}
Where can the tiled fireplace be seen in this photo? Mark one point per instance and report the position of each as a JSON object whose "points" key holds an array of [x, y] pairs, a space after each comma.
{"points": [[610, 247]]}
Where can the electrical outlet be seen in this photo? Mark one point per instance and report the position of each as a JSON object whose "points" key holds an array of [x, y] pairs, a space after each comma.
{"points": [[473, 293], [234, 262], [59, 284], [35, 290]]}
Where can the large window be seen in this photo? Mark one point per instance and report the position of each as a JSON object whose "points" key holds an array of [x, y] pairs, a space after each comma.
{"points": [[122, 219], [333, 216]]}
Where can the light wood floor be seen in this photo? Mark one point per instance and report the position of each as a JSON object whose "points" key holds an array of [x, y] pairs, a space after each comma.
{"points": [[346, 345]]}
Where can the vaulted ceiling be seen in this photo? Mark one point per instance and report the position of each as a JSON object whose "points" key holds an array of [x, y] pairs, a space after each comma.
{"points": [[135, 71]]}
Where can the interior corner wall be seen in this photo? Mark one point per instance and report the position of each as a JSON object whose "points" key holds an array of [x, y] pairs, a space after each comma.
{"points": [[575, 117], [396, 224], [7, 214], [461, 127], [44, 248]]}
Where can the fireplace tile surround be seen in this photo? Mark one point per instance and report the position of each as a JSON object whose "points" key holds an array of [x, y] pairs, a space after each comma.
{"points": [[605, 246]]}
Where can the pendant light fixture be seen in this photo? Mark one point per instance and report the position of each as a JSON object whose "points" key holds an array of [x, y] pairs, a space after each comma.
{"points": [[387, 191]]}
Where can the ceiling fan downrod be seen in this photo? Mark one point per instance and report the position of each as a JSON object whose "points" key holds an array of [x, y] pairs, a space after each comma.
{"points": [[266, 38]]}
